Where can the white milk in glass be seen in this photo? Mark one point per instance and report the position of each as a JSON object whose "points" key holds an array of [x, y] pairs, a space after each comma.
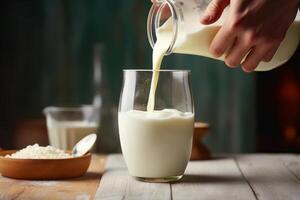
{"points": [[157, 143], [64, 135]]}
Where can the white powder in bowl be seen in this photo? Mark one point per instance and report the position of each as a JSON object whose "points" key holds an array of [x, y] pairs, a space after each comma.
{"points": [[38, 152]]}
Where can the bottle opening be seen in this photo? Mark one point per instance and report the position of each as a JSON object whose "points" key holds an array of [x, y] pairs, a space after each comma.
{"points": [[159, 13]]}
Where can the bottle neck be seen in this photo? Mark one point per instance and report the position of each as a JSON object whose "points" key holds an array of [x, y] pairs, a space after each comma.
{"points": [[159, 13]]}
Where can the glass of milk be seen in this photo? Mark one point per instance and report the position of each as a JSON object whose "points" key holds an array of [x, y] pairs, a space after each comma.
{"points": [[67, 125], [156, 140]]}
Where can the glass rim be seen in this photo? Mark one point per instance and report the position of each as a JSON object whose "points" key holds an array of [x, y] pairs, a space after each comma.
{"points": [[67, 109], [161, 70], [153, 18]]}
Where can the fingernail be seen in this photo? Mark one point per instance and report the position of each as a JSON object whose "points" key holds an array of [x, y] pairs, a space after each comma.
{"points": [[205, 19], [247, 70]]}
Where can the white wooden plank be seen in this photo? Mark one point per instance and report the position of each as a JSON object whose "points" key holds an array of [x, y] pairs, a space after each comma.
{"points": [[114, 180], [292, 163], [269, 177], [213, 179], [117, 184]]}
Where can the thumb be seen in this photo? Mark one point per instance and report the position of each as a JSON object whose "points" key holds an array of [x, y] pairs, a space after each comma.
{"points": [[214, 11]]}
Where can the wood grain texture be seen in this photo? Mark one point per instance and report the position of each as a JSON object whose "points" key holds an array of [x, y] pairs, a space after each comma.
{"points": [[269, 177], [292, 163], [218, 178], [250, 177], [82, 188], [117, 184]]}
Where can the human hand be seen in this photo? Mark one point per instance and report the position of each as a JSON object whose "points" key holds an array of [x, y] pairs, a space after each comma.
{"points": [[166, 12], [253, 29]]}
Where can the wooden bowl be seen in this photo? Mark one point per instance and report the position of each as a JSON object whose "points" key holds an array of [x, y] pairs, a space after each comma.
{"points": [[43, 169], [200, 151]]}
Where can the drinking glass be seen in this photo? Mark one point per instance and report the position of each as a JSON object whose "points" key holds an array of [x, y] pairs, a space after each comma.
{"points": [[67, 125], [156, 144]]}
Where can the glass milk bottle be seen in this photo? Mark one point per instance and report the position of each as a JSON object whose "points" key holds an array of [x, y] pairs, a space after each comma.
{"points": [[175, 25]]}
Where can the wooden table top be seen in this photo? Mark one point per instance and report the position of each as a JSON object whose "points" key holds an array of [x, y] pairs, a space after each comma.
{"points": [[235, 177]]}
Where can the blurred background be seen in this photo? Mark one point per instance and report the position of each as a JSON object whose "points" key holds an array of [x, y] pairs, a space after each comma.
{"points": [[72, 52]]}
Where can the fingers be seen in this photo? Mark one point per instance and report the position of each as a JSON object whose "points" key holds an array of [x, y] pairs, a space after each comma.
{"points": [[254, 57], [236, 54], [213, 11], [166, 12], [222, 40], [269, 55]]}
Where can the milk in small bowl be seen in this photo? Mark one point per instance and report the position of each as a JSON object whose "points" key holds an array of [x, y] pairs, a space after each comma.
{"points": [[67, 125]]}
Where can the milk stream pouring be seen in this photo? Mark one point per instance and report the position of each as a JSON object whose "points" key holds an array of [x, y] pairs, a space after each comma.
{"points": [[183, 33]]}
